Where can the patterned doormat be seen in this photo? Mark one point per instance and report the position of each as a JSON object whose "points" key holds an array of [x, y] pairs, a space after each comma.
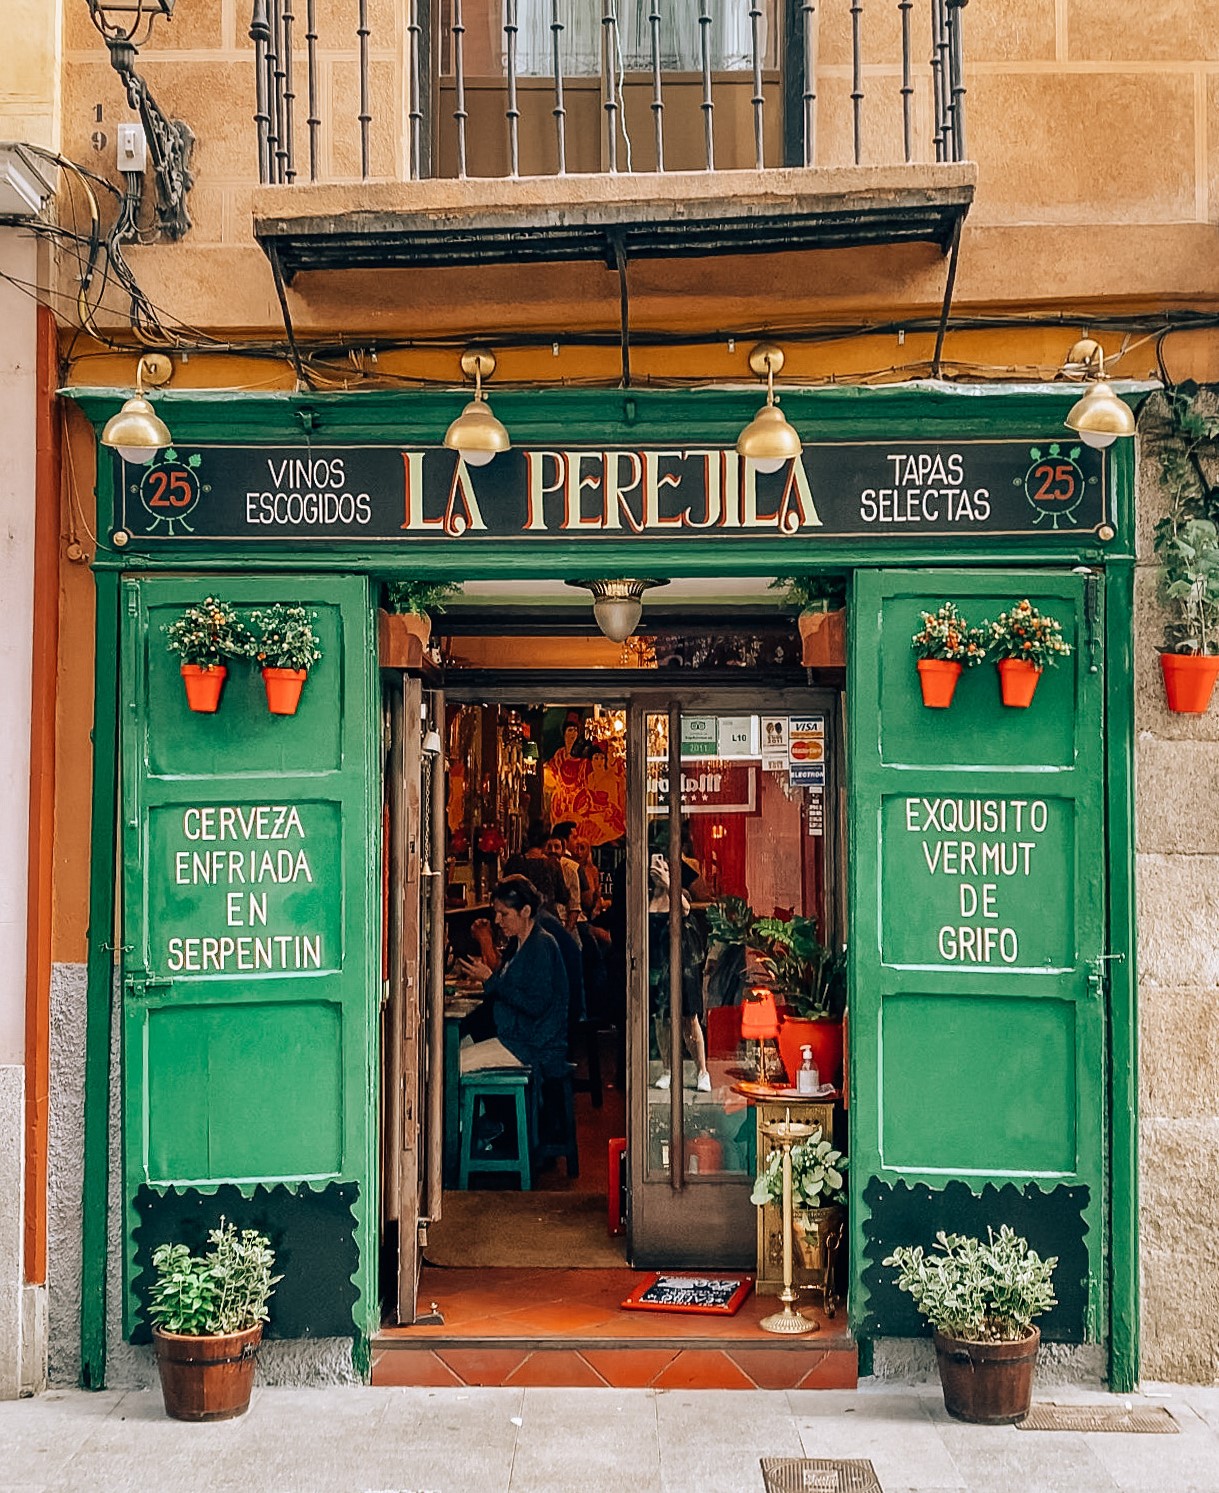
{"points": [[818, 1475], [1140, 1420]]}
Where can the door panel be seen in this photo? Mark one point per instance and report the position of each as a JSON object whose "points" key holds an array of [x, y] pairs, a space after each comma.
{"points": [[250, 932], [976, 929]]}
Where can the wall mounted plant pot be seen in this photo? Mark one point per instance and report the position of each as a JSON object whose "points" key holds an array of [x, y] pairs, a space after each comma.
{"points": [[203, 685], [937, 679], [283, 688], [402, 639], [823, 636], [1189, 680], [207, 1378], [824, 1037], [1017, 681], [988, 1384]]}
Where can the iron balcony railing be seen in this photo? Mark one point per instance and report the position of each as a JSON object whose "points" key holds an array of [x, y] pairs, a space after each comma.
{"points": [[470, 81]]}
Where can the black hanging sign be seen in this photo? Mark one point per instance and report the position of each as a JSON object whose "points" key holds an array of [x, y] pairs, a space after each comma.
{"points": [[538, 495]]}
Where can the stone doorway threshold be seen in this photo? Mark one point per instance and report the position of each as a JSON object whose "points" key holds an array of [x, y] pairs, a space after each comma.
{"points": [[567, 1328]]}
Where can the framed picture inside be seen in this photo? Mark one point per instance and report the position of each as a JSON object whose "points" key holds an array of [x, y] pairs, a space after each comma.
{"points": [[720, 1295]]}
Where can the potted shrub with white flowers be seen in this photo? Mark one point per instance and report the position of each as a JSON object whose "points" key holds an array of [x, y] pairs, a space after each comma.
{"points": [[944, 646], [207, 1312], [980, 1296], [818, 1205], [205, 637], [1023, 642], [286, 646]]}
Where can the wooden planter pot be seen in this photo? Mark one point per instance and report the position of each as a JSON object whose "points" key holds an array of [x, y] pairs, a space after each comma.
{"points": [[937, 679], [824, 639], [988, 1384], [207, 1378], [402, 639], [203, 685], [1017, 681], [283, 688], [1189, 681]]}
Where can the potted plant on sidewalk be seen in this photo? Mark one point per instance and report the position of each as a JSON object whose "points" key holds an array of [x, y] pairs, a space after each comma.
{"points": [[286, 646], [205, 637], [818, 1205], [943, 646], [207, 1313], [1188, 551], [1024, 642], [980, 1296], [821, 602], [810, 980], [404, 626]]}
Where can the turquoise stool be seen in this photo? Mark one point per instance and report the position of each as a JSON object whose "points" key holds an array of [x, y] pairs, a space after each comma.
{"points": [[488, 1083]]}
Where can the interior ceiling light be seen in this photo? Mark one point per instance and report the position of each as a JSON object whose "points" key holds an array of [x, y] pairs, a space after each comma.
{"points": [[768, 440], [476, 435], [1100, 416], [137, 433], [618, 605]]}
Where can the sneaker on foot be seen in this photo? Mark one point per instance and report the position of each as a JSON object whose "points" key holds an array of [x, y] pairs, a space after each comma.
{"points": [[663, 1081], [704, 1082]]}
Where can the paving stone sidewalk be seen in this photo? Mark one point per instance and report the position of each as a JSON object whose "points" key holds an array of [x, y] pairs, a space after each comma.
{"points": [[585, 1441]]}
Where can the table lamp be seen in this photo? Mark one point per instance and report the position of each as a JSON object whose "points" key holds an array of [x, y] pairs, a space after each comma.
{"points": [[760, 1023]]}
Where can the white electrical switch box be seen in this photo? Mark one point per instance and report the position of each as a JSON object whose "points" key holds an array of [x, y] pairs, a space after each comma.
{"points": [[132, 148]]}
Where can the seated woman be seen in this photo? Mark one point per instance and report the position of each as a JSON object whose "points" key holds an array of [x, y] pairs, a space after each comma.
{"points": [[527, 993]]}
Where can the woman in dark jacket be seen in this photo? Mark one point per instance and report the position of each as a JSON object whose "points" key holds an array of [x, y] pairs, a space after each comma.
{"points": [[528, 991]]}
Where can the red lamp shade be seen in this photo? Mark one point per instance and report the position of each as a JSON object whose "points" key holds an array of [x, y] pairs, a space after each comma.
{"points": [[759, 1019]]}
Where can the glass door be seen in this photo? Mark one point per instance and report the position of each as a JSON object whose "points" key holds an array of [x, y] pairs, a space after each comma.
{"points": [[732, 798]]}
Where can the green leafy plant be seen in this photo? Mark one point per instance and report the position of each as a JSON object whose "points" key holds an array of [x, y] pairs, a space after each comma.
{"points": [[224, 1290], [209, 633], [810, 977], [420, 597], [1025, 633], [947, 635], [812, 593], [818, 1175], [980, 1290], [285, 637], [1188, 550], [729, 922]]}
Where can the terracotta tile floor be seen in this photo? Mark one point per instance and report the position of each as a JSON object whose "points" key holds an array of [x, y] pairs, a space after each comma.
{"points": [[568, 1327]]}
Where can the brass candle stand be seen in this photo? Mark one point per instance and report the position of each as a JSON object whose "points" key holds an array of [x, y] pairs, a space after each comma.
{"points": [[786, 1133]]}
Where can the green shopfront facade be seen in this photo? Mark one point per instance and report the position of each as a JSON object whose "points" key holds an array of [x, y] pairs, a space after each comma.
{"points": [[988, 850]]}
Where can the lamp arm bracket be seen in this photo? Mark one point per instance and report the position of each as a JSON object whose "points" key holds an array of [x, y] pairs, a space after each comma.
{"points": [[170, 141]]}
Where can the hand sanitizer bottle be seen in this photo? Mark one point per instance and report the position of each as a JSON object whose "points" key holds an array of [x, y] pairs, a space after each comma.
{"points": [[808, 1080]]}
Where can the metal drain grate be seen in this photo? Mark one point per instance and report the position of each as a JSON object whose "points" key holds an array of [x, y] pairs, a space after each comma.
{"points": [[818, 1475], [1141, 1420]]}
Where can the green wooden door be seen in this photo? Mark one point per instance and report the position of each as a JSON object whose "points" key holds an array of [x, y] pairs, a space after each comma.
{"points": [[251, 933], [977, 922]]}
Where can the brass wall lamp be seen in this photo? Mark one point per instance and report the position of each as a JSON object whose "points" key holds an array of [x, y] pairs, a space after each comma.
{"points": [[137, 432], [476, 435], [768, 440], [1100, 417]]}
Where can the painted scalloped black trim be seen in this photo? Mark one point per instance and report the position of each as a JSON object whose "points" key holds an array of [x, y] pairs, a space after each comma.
{"points": [[312, 1231], [1052, 1222]]}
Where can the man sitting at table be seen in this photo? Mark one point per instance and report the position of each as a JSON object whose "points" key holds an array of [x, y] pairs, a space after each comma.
{"points": [[527, 994]]}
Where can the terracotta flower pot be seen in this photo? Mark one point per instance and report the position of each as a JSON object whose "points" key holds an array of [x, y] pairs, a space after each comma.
{"points": [[402, 639], [823, 637], [1017, 681], [1189, 680], [988, 1384], [824, 1037], [937, 679], [207, 1378], [203, 685], [284, 689]]}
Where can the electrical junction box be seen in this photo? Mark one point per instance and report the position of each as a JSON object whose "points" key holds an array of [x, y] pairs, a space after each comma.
{"points": [[132, 147]]}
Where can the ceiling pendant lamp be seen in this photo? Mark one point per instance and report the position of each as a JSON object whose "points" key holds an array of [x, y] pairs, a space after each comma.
{"points": [[1099, 417], [618, 605], [476, 435], [768, 440], [137, 432]]}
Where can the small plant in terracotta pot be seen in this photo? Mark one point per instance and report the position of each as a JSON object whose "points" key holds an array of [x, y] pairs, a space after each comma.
{"points": [[980, 1296], [810, 980], [207, 1313], [821, 603], [1023, 642], [286, 646], [944, 646], [1188, 550], [405, 623], [205, 637]]}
